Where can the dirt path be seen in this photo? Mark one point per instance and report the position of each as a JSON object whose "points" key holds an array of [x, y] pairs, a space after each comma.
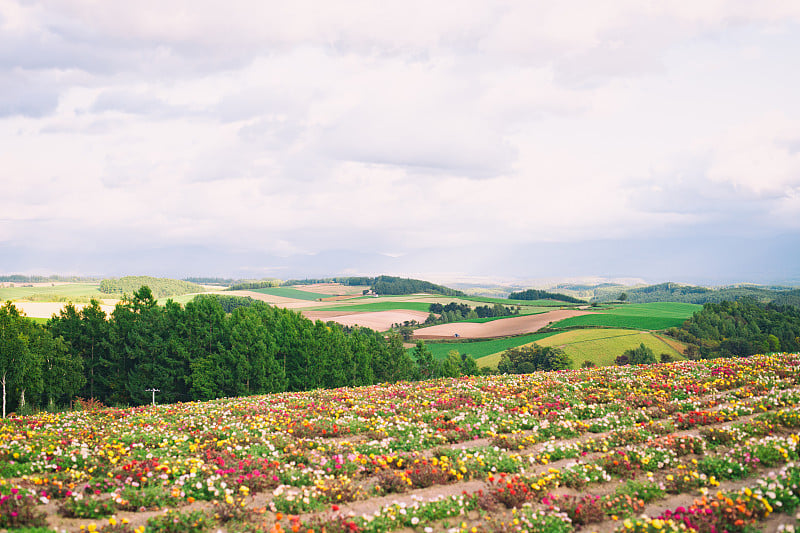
{"points": [[497, 328]]}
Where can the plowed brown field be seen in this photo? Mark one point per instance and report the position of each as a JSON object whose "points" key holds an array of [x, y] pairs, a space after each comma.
{"points": [[497, 328], [377, 320]]}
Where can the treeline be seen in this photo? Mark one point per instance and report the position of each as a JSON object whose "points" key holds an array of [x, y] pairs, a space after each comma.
{"points": [[19, 278], [387, 285], [255, 284], [455, 312], [192, 352], [353, 281], [212, 281], [675, 292], [159, 287], [536, 294], [740, 328]]}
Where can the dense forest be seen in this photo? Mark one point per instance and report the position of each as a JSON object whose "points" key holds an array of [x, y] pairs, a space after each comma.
{"points": [[535, 294], [675, 292], [394, 285], [160, 287], [740, 328], [196, 352]]}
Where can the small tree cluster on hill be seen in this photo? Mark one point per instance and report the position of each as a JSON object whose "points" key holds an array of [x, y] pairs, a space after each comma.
{"points": [[454, 312], [535, 294], [642, 355], [532, 358]]}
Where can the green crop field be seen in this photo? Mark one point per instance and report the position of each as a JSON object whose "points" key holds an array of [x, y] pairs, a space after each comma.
{"points": [[480, 349], [601, 346], [376, 306], [288, 292], [52, 292], [505, 301], [652, 316], [183, 299], [523, 311], [38, 320]]}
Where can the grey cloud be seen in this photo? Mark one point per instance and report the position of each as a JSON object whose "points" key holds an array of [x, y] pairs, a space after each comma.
{"points": [[688, 192], [628, 51], [24, 95], [272, 133], [134, 103], [255, 102], [464, 148]]}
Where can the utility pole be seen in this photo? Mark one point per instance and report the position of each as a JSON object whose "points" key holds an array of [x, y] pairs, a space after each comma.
{"points": [[154, 391]]}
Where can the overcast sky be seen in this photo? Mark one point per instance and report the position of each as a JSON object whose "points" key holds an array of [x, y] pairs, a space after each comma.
{"points": [[658, 140]]}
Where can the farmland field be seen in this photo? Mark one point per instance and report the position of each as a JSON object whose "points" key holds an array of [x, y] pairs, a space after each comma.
{"points": [[378, 320], [507, 326], [377, 306], [289, 292], [57, 291], [505, 301], [600, 346], [643, 449], [652, 316]]}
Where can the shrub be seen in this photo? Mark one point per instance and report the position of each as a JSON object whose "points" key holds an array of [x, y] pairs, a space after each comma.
{"points": [[18, 510]]}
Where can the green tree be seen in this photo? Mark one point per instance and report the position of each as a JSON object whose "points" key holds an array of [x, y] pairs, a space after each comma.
{"points": [[393, 363], [87, 334], [450, 367], [468, 366], [62, 370], [426, 364], [13, 348], [29, 379]]}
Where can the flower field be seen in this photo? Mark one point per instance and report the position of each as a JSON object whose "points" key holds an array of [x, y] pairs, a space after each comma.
{"points": [[695, 445]]}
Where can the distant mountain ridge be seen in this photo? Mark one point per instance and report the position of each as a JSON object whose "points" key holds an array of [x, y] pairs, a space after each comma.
{"points": [[676, 292]]}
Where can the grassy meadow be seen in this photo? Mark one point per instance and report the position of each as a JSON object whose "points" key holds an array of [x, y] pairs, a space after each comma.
{"points": [[601, 346]]}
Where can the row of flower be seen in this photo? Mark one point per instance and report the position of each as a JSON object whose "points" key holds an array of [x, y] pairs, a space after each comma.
{"points": [[673, 428]]}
